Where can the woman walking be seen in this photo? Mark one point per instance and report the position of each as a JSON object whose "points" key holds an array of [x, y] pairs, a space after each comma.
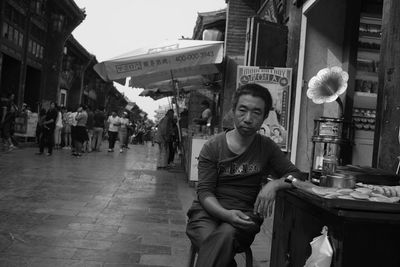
{"points": [[123, 132], [58, 128], [113, 125]]}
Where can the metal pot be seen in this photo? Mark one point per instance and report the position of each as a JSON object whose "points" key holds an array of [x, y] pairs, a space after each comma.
{"points": [[338, 180]]}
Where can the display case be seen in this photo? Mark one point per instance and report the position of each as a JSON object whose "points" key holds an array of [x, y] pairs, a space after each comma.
{"points": [[366, 87]]}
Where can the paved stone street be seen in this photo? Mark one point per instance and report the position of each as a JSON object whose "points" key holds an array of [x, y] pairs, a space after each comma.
{"points": [[103, 209]]}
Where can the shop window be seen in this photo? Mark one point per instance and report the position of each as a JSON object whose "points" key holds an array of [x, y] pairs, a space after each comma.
{"points": [[10, 32], [5, 30], [16, 36], [41, 52], [63, 97], [21, 39], [30, 46], [33, 47]]}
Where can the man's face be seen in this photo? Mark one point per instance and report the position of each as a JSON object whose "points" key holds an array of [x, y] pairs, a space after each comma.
{"points": [[249, 114]]}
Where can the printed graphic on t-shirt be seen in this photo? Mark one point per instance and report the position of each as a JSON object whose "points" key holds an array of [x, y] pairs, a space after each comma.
{"points": [[239, 168]]}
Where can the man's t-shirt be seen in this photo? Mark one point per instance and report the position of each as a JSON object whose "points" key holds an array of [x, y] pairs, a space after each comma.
{"points": [[113, 123], [51, 114], [90, 120], [99, 119], [235, 180]]}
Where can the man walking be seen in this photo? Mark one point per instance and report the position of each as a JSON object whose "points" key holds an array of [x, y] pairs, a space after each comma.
{"points": [[231, 198], [48, 127], [113, 123], [99, 119], [162, 138]]}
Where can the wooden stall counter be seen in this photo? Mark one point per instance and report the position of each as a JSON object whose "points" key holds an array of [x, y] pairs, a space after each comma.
{"points": [[362, 233]]}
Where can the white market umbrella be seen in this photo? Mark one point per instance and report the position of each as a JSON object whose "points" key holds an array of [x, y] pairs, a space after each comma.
{"points": [[163, 61]]}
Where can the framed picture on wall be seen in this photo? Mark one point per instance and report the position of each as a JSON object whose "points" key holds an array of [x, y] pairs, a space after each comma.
{"points": [[278, 81]]}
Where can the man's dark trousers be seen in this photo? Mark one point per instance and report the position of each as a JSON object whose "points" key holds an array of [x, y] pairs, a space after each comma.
{"points": [[47, 140], [218, 241]]}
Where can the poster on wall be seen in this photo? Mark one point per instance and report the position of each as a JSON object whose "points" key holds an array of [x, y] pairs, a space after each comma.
{"points": [[278, 81]]}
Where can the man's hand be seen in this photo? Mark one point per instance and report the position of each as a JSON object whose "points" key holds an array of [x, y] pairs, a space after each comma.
{"points": [[239, 219], [265, 200]]}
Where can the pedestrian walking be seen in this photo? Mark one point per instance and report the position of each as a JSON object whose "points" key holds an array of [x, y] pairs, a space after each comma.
{"points": [[81, 135], [89, 128], [48, 126], [173, 143], [99, 119], [58, 129], [123, 131], [7, 129], [72, 121], [39, 125], [162, 138], [66, 128], [113, 123]]}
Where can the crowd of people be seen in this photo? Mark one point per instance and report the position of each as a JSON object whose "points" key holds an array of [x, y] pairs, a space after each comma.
{"points": [[80, 130], [83, 130]]}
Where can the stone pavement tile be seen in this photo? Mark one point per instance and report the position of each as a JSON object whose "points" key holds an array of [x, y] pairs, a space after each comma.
{"points": [[164, 260], [156, 239], [66, 212], [56, 232], [107, 256], [112, 221], [39, 251], [143, 228], [14, 261], [49, 262], [140, 248], [93, 227], [146, 218], [113, 237]]}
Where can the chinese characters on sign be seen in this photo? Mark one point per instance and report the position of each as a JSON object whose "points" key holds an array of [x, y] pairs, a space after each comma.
{"points": [[189, 58], [278, 82]]}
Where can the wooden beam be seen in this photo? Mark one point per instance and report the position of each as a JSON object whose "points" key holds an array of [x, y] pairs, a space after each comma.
{"points": [[388, 107]]}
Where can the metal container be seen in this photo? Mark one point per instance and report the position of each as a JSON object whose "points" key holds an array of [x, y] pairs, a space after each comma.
{"points": [[338, 180], [329, 164]]}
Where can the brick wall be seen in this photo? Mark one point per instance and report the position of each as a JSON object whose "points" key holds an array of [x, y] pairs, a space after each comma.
{"points": [[237, 13]]}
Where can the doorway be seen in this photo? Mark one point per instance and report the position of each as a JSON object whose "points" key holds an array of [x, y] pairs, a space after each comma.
{"points": [[32, 87], [9, 76]]}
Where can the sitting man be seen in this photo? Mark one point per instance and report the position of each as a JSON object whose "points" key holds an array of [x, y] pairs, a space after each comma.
{"points": [[231, 202], [206, 114]]}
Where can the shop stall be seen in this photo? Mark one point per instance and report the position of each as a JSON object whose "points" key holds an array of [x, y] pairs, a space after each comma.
{"points": [[363, 229]]}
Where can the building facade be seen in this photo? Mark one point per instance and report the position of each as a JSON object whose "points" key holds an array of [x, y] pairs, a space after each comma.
{"points": [[40, 61], [33, 34]]}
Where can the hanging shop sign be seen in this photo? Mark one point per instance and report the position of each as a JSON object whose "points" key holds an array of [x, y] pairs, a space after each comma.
{"points": [[278, 81]]}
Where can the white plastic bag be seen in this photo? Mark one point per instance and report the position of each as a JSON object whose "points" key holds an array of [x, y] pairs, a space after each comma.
{"points": [[321, 251]]}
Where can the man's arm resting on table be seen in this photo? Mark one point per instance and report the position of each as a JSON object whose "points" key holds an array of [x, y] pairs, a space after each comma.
{"points": [[265, 200]]}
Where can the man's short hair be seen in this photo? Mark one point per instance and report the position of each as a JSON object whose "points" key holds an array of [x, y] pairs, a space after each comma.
{"points": [[255, 90], [205, 103]]}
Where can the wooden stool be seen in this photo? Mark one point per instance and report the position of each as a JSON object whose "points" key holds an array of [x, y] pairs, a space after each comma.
{"points": [[247, 251]]}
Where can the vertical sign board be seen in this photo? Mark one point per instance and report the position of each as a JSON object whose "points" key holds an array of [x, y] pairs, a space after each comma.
{"points": [[278, 81], [27, 125], [197, 145]]}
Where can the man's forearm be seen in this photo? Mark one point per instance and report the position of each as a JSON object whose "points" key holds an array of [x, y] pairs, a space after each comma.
{"points": [[212, 206]]}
